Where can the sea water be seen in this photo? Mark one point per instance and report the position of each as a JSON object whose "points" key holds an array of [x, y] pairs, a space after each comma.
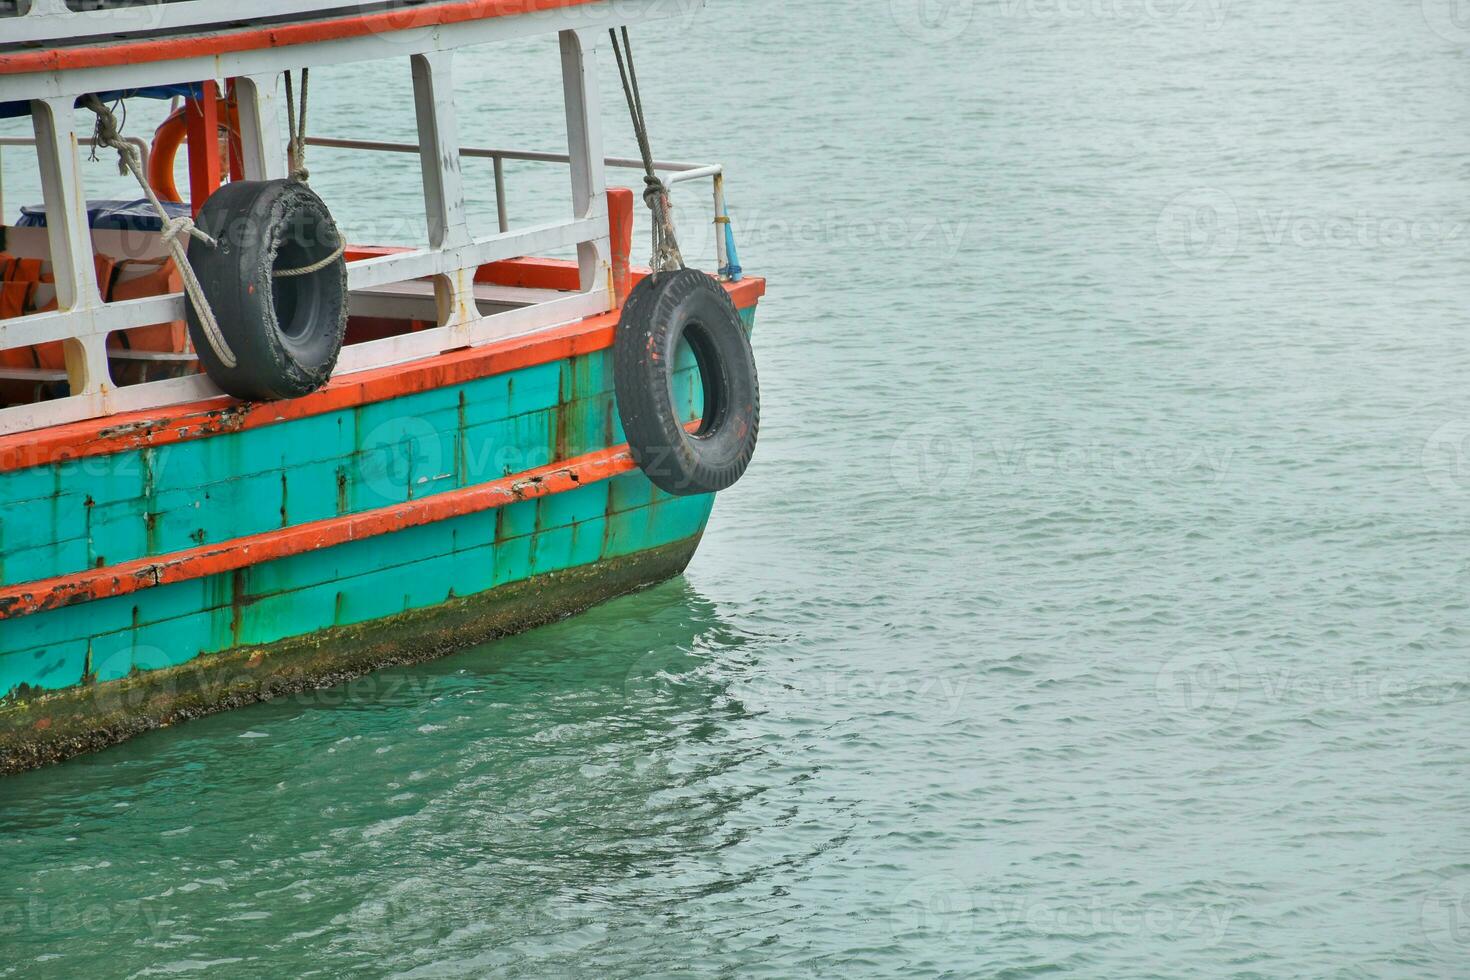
{"points": [[1097, 601]]}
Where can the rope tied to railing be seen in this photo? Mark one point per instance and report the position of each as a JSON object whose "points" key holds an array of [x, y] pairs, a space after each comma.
{"points": [[666, 254], [296, 144], [296, 157], [174, 227]]}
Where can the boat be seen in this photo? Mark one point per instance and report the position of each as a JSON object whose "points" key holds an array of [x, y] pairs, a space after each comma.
{"points": [[241, 457]]}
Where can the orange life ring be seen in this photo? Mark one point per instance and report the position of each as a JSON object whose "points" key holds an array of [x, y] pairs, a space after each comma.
{"points": [[170, 135]]}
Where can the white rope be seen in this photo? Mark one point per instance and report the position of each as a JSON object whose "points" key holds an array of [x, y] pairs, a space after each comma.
{"points": [[173, 227], [307, 270]]}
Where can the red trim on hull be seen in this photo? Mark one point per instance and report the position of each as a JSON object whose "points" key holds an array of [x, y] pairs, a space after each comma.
{"points": [[157, 427], [274, 36], [146, 573]]}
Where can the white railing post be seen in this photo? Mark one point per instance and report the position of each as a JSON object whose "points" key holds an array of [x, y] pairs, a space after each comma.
{"points": [[49, 8], [258, 99], [70, 237], [444, 205], [66, 204], [433, 94], [584, 146]]}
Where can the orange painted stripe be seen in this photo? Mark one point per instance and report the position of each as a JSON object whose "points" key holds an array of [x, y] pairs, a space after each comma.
{"points": [[146, 573], [158, 427], [274, 36]]}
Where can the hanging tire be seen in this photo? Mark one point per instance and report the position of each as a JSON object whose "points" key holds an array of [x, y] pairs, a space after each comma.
{"points": [[285, 332], [661, 311]]}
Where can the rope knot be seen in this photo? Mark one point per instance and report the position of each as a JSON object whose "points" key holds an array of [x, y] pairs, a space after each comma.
{"points": [[296, 134], [296, 159], [105, 130], [654, 193], [176, 226], [173, 228], [666, 256]]}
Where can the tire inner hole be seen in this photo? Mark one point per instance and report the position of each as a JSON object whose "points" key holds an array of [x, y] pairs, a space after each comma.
{"points": [[298, 299]]}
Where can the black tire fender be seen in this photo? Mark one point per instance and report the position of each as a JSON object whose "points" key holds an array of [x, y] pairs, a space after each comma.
{"points": [[662, 311], [285, 333]]}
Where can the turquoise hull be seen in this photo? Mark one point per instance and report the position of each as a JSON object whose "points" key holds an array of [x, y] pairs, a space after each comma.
{"points": [[66, 518]]}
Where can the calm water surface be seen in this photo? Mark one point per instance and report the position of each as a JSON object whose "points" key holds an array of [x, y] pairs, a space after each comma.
{"points": [[1098, 602]]}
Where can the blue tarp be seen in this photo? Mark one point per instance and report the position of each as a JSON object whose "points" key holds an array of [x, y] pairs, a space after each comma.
{"points": [[123, 215], [9, 110]]}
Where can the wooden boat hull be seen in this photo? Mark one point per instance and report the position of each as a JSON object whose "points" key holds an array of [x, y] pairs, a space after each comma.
{"points": [[156, 570]]}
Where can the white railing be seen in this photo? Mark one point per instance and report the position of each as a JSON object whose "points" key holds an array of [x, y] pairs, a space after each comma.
{"points": [[678, 173], [82, 321]]}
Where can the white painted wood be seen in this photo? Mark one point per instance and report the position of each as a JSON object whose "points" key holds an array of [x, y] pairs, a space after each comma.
{"points": [[51, 20], [68, 236], [451, 261], [433, 98], [391, 307], [259, 100], [533, 319], [31, 374], [87, 370], [395, 350], [485, 292], [357, 357], [42, 328], [70, 239], [415, 300], [584, 148], [118, 243], [151, 356], [154, 394], [420, 263], [427, 343], [42, 10], [439, 167], [592, 17], [173, 391], [101, 319], [24, 418]]}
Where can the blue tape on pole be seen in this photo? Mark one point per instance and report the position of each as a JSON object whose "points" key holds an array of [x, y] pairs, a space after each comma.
{"points": [[732, 270]]}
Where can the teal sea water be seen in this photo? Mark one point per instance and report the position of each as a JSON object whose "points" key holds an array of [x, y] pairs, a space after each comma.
{"points": [[1097, 603]]}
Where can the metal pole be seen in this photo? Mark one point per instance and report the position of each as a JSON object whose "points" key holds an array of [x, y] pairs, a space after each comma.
{"points": [[500, 194], [722, 261]]}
